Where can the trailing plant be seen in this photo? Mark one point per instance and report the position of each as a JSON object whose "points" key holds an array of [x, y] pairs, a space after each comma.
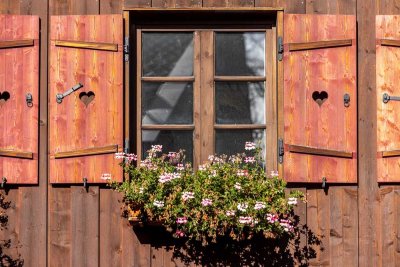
{"points": [[228, 196]]}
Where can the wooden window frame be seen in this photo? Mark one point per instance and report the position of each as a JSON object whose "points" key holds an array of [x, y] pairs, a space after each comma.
{"points": [[204, 144]]}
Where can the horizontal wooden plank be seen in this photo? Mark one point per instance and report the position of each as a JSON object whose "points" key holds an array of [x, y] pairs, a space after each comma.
{"points": [[389, 42], [16, 154], [318, 151], [87, 45], [168, 79], [204, 9], [167, 127], [239, 78], [388, 154], [319, 45], [239, 126], [87, 152], [16, 43]]}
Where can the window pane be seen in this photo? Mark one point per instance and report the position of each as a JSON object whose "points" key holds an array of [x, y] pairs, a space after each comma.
{"points": [[240, 102], [167, 54], [167, 103], [240, 53], [231, 142], [170, 140]]}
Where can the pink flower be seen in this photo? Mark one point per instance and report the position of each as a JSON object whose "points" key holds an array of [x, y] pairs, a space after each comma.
{"points": [[272, 218], [156, 148], [131, 157], [274, 173], [238, 186], [250, 146], [180, 167], [179, 233], [230, 213], [286, 224], [181, 220], [106, 176], [172, 154], [206, 202], [166, 177], [249, 160]]}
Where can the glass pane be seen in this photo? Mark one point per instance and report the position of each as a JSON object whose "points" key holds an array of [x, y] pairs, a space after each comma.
{"points": [[240, 53], [170, 140], [240, 102], [231, 142], [167, 103], [167, 54]]}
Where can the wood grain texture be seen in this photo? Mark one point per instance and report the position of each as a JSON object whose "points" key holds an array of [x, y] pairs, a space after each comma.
{"points": [[136, 3], [343, 7], [73, 7], [176, 3], [111, 6], [319, 152], [87, 45], [74, 126], [387, 81], [16, 43], [87, 152], [16, 154], [85, 206], [319, 45], [290, 7], [19, 75], [228, 3], [331, 125]]}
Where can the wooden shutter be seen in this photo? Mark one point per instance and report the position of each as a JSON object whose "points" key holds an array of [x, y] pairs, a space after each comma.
{"points": [[19, 76], [320, 130], [86, 128], [388, 112]]}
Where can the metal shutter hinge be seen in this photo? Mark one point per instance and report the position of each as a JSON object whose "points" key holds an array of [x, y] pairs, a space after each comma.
{"points": [[280, 48], [126, 49], [281, 150]]}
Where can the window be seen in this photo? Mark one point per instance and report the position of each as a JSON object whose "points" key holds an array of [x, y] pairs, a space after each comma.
{"points": [[206, 90]]}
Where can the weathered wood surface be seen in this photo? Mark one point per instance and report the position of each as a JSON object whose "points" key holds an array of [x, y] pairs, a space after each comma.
{"points": [[328, 124], [387, 81], [19, 75], [74, 125]]}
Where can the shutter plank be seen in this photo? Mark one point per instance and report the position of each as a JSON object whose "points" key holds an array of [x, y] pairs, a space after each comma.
{"points": [[387, 81], [320, 59], [81, 135], [19, 75]]}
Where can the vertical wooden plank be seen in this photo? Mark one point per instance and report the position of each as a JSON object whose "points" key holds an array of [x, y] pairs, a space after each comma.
{"points": [[59, 251], [367, 136], [130, 246], [280, 91], [12, 230], [197, 100], [74, 7], [397, 227], [85, 207], [387, 7], [350, 226], [110, 240], [207, 98], [336, 226], [228, 3], [387, 219], [111, 6]]}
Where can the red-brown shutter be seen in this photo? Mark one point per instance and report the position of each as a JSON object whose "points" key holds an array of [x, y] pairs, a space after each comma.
{"points": [[320, 129], [86, 128], [388, 112], [19, 77]]}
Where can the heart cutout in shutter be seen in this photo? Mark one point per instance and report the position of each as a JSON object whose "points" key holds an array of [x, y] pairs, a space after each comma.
{"points": [[320, 97], [4, 96], [86, 98]]}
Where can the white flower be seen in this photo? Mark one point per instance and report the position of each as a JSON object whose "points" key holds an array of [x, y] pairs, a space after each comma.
{"points": [[242, 207], [187, 195], [292, 201], [230, 213], [286, 224], [141, 190], [158, 204], [274, 173], [180, 167], [156, 148], [242, 173], [238, 186], [206, 202], [250, 146], [106, 176], [259, 205], [120, 155], [245, 220], [249, 160]]}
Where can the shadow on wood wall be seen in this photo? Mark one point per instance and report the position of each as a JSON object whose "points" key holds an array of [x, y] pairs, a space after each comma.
{"points": [[296, 250], [6, 245]]}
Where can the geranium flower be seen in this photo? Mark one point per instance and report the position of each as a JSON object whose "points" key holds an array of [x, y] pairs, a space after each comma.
{"points": [[272, 218], [286, 224], [250, 146], [180, 167], [120, 155], [292, 201], [106, 176], [230, 213], [131, 157], [187, 195], [206, 202], [259, 205], [249, 160], [242, 173], [242, 207], [274, 173], [238, 186], [245, 220], [181, 220], [158, 204], [156, 148]]}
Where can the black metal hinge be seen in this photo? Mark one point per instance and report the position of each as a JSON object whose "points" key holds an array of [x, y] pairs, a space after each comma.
{"points": [[126, 49], [281, 150], [280, 48], [126, 148]]}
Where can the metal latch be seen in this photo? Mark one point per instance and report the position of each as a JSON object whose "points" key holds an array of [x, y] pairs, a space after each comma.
{"points": [[126, 48], [126, 148], [346, 100], [280, 48], [60, 97], [386, 98], [281, 150], [29, 100]]}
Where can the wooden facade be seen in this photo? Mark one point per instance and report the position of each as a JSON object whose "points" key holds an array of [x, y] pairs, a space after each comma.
{"points": [[63, 225]]}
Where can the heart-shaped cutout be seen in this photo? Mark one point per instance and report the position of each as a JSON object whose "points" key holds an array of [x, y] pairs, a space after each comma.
{"points": [[86, 98], [4, 96], [320, 97]]}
